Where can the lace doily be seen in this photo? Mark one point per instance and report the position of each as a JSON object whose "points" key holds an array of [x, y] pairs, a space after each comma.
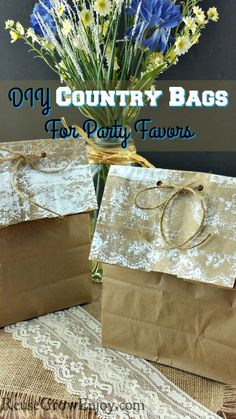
{"points": [[116, 384]]}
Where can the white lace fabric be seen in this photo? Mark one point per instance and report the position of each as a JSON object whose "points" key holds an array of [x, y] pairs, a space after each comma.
{"points": [[63, 183], [130, 237], [119, 385]]}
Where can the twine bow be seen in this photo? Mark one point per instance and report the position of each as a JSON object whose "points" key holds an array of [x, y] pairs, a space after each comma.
{"points": [[178, 190], [19, 159], [116, 155]]}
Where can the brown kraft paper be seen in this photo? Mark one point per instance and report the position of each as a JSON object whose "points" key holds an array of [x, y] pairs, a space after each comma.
{"points": [[166, 302], [163, 318], [44, 267]]}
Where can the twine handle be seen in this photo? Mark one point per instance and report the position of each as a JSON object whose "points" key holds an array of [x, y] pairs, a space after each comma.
{"points": [[177, 190], [20, 159]]}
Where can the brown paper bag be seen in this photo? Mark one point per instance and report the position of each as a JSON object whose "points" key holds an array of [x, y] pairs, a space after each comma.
{"points": [[43, 257], [175, 306]]}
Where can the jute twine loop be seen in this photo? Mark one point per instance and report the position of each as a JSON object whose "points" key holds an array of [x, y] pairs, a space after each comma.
{"points": [[32, 158], [177, 191], [116, 155]]}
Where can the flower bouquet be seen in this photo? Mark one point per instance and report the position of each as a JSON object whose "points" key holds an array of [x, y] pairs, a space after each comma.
{"points": [[118, 43], [112, 42]]}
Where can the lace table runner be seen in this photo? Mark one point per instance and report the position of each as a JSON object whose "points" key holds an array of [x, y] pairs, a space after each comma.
{"points": [[115, 384]]}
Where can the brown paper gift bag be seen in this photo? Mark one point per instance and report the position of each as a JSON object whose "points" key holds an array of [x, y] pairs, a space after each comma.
{"points": [[47, 192], [169, 268]]}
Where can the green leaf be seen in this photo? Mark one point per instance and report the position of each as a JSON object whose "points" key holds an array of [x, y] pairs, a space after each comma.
{"points": [[149, 77]]}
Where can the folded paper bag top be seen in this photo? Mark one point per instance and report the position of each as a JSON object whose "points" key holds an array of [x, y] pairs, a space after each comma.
{"points": [[32, 188], [128, 231], [46, 194]]}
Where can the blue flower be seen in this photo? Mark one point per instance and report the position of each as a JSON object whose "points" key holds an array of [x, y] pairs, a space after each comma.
{"points": [[155, 20], [45, 15]]}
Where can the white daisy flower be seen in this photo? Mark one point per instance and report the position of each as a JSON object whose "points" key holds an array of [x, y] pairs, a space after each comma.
{"points": [[213, 14], [87, 18], [66, 27], [60, 9], [190, 24], [20, 28], [9, 24], [102, 7], [14, 36], [199, 13], [182, 45]]}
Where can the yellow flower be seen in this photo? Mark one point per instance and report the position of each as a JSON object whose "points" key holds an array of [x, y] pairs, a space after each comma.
{"points": [[48, 45], [20, 28], [108, 58], [116, 65], [31, 34], [66, 28], [213, 14], [155, 60], [105, 28], [195, 38], [199, 13], [172, 57], [190, 24], [182, 45], [60, 9], [14, 36], [87, 18], [9, 24], [102, 7]]}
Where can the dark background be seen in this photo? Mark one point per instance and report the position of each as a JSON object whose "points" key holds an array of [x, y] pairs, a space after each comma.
{"points": [[213, 59]]}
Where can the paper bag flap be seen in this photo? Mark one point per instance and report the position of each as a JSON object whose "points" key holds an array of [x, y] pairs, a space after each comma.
{"points": [[60, 183], [129, 236]]}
